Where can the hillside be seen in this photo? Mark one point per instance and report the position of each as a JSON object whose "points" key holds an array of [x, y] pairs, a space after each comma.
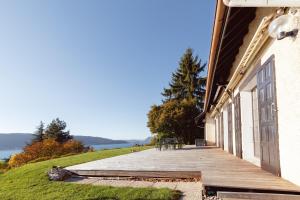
{"points": [[30, 182], [19, 140]]}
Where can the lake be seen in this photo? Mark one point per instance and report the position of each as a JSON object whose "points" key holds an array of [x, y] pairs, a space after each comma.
{"points": [[6, 153]]}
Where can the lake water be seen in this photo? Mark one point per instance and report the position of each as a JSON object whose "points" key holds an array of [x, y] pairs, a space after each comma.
{"points": [[6, 153]]}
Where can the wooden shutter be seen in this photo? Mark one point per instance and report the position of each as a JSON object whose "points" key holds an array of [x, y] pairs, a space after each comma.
{"points": [[268, 118], [237, 126]]}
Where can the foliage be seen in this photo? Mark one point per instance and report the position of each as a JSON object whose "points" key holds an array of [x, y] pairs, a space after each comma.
{"points": [[152, 142], [56, 130], [3, 166], [48, 143], [182, 101], [46, 149], [174, 118], [186, 82], [30, 182], [19, 159], [72, 146]]}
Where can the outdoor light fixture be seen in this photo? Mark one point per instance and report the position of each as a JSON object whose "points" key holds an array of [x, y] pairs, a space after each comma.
{"points": [[262, 3], [284, 26]]}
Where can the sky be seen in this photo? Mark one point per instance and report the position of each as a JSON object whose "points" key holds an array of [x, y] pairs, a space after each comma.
{"points": [[98, 65]]}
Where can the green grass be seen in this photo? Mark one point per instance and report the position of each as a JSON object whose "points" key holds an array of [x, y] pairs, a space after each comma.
{"points": [[30, 182]]}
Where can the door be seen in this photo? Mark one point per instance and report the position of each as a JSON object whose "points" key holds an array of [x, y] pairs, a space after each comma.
{"points": [[230, 142], [238, 126], [268, 118]]}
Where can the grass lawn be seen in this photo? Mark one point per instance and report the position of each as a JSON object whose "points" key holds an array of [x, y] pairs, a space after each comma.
{"points": [[30, 182]]}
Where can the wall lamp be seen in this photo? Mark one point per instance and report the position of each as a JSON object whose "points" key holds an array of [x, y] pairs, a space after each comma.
{"points": [[286, 25]]}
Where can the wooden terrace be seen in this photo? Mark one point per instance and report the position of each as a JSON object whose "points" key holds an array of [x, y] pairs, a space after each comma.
{"points": [[218, 170]]}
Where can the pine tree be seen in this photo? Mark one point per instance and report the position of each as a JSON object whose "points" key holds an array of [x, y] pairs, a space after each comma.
{"points": [[56, 130], [186, 82], [39, 133]]}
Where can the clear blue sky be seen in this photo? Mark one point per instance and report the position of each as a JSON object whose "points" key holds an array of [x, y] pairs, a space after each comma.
{"points": [[98, 64]]}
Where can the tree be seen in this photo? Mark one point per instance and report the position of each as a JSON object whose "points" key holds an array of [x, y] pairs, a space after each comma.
{"points": [[186, 82], [39, 133], [56, 130], [174, 118], [182, 101]]}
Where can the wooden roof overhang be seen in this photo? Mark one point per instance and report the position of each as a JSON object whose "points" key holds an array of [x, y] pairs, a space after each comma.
{"points": [[230, 27]]}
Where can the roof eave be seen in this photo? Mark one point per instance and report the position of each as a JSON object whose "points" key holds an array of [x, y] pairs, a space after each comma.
{"points": [[218, 23]]}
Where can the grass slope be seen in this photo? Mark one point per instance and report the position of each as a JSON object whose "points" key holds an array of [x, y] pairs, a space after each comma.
{"points": [[30, 182]]}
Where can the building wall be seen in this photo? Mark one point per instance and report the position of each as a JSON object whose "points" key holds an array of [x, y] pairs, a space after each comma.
{"points": [[225, 125], [247, 128], [233, 131], [210, 130], [287, 72], [217, 131]]}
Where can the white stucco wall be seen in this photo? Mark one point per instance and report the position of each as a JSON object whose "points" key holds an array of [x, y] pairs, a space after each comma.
{"points": [[217, 131], [247, 128], [225, 125], [287, 72], [233, 131], [210, 130]]}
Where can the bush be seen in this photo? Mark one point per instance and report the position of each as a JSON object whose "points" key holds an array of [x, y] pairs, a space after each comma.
{"points": [[3, 165], [45, 150], [19, 159], [73, 146]]}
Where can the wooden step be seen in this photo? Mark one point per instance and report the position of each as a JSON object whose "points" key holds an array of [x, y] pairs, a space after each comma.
{"points": [[257, 196], [147, 174]]}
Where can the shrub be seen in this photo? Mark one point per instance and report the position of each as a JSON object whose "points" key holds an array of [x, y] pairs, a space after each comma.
{"points": [[73, 146], [45, 150], [3, 165], [19, 159], [51, 148]]}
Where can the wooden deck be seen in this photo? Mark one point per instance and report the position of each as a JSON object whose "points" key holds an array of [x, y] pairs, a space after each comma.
{"points": [[218, 168]]}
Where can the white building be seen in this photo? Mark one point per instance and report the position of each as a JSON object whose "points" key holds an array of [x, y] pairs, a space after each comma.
{"points": [[252, 100]]}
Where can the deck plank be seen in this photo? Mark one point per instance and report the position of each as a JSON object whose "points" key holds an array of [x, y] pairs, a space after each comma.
{"points": [[217, 167]]}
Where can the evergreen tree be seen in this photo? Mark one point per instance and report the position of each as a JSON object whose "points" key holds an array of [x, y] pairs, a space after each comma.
{"points": [[183, 100], [186, 82], [56, 130], [39, 133]]}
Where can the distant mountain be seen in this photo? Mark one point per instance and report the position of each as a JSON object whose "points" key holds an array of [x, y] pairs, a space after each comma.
{"points": [[148, 140], [14, 140], [141, 142], [19, 140], [89, 140]]}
